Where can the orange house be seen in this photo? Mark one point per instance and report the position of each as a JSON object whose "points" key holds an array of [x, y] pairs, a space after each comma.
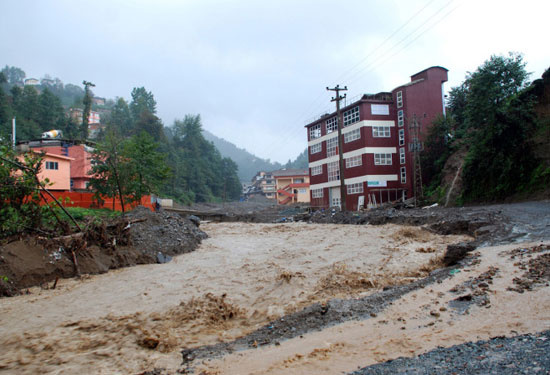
{"points": [[57, 169], [292, 186]]}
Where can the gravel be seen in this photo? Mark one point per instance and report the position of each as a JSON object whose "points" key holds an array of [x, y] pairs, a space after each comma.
{"points": [[525, 354]]}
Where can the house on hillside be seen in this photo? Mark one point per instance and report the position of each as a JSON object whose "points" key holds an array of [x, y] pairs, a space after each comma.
{"points": [[382, 135], [292, 186], [79, 155], [263, 183], [56, 169], [32, 82]]}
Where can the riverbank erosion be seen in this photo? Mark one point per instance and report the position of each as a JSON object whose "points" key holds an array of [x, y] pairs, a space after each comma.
{"points": [[296, 298], [139, 237]]}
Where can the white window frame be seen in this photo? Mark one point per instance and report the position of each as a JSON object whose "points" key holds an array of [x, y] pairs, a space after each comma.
{"points": [[354, 161], [403, 175], [315, 131], [317, 170], [400, 118], [333, 171], [316, 148], [331, 125], [332, 146], [351, 116], [399, 99], [381, 132], [402, 155], [352, 135], [401, 137], [382, 159], [355, 188], [52, 165], [316, 193]]}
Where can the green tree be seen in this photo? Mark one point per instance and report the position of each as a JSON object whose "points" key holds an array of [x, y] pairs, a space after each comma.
{"points": [[50, 111], [110, 175], [142, 100], [199, 172], [14, 75], [146, 166], [5, 110], [19, 207], [498, 126], [120, 118], [87, 101], [149, 123], [438, 148]]}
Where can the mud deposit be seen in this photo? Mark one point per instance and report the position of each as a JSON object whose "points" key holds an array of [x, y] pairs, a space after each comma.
{"points": [[141, 237], [240, 282]]}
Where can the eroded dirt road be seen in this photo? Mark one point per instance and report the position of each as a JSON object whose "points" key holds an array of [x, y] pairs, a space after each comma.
{"points": [[241, 278]]}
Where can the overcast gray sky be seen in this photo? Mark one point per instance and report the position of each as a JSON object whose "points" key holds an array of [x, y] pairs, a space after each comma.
{"points": [[256, 71]]}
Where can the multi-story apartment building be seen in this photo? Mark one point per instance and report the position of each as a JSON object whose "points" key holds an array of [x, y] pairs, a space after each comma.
{"points": [[263, 183], [381, 134], [292, 186]]}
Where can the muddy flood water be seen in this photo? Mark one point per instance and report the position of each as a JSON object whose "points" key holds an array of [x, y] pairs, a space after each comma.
{"points": [[245, 275]]}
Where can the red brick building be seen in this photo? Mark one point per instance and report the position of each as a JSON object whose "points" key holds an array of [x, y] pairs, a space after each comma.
{"points": [[380, 134]]}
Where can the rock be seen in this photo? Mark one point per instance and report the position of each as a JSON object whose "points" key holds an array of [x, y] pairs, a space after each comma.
{"points": [[457, 252], [195, 220]]}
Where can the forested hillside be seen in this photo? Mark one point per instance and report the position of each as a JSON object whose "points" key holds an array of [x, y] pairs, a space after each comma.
{"points": [[495, 138], [249, 164], [173, 161]]}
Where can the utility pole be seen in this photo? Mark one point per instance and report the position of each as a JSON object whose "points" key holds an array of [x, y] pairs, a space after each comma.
{"points": [[13, 132], [340, 124]]}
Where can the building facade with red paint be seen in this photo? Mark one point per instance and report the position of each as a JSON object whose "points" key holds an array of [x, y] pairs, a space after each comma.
{"points": [[381, 133]]}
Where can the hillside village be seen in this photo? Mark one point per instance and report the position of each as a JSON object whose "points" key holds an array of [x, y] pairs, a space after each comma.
{"points": [[410, 235]]}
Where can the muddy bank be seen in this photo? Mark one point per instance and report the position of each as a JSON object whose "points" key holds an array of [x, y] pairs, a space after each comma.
{"points": [[140, 237]]}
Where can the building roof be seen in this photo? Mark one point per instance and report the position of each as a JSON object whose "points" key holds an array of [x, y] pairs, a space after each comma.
{"points": [[290, 172], [55, 156]]}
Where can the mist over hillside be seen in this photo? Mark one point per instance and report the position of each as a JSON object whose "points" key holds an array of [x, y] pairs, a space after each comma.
{"points": [[248, 163]]}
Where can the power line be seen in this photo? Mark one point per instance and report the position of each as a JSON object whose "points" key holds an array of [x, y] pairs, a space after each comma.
{"points": [[317, 102], [374, 64]]}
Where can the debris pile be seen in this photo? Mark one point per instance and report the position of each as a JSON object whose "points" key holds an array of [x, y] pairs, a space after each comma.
{"points": [[139, 237], [535, 261]]}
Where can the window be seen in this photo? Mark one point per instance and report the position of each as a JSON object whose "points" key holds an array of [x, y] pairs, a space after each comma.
{"points": [[354, 161], [333, 171], [331, 125], [351, 116], [381, 131], [400, 118], [317, 193], [317, 170], [382, 159], [402, 155], [352, 135], [315, 148], [403, 175], [379, 109], [332, 146], [401, 137], [315, 131], [52, 165], [355, 188], [399, 99]]}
